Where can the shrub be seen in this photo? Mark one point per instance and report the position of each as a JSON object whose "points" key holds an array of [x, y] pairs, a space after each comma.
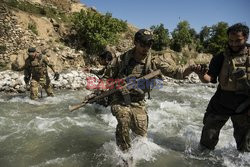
{"points": [[38, 9], [161, 37], [33, 28], [214, 39], [95, 30], [181, 36]]}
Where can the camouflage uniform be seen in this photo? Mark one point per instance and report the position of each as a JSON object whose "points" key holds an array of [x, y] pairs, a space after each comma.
{"points": [[104, 74], [134, 116], [109, 57], [36, 70], [231, 93]]}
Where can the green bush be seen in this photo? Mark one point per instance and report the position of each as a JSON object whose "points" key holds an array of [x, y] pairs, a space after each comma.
{"points": [[176, 46], [25, 6], [214, 39], [33, 28], [161, 37], [182, 36], [38, 9], [95, 30]]}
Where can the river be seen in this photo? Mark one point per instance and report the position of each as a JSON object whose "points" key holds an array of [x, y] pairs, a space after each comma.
{"points": [[44, 134]]}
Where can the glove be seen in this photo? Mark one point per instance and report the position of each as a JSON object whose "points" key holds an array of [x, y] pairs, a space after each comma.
{"points": [[56, 76], [199, 69]]}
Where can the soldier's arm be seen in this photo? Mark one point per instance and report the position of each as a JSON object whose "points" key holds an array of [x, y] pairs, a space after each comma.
{"points": [[16, 67], [48, 63], [205, 78], [213, 71], [27, 71], [98, 72], [112, 69], [169, 69]]}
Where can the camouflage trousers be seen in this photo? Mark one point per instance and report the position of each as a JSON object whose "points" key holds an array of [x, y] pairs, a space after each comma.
{"points": [[132, 117], [213, 124], [34, 87]]}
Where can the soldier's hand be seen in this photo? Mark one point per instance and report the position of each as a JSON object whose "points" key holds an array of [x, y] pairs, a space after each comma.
{"points": [[199, 69], [86, 69], [56, 76]]}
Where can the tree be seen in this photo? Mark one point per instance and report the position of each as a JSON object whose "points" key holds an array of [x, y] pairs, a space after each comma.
{"points": [[161, 37], [194, 34], [181, 36], [95, 30], [205, 33], [214, 39]]}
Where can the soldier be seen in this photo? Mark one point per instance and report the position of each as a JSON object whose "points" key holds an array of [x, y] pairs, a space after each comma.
{"points": [[107, 59], [35, 68], [129, 106], [231, 100]]}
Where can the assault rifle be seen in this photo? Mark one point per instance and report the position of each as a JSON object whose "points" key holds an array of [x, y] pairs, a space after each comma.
{"points": [[93, 98]]}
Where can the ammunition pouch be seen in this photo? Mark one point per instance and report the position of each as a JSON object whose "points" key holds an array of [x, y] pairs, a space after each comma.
{"points": [[134, 95], [137, 98], [137, 95], [126, 98], [238, 74]]}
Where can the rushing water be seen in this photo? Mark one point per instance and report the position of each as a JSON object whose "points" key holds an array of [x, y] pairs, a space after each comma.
{"points": [[44, 134]]}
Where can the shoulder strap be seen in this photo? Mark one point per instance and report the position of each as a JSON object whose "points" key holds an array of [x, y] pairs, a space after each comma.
{"points": [[124, 63], [248, 48], [248, 64], [148, 68]]}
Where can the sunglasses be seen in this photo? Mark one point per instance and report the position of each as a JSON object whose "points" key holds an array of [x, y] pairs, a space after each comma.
{"points": [[146, 44]]}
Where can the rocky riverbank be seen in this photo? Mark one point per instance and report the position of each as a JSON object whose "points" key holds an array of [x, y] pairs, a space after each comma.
{"points": [[16, 36], [12, 81]]}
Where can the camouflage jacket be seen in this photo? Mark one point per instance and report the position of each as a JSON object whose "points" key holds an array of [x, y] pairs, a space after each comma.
{"points": [[37, 68], [127, 66], [108, 71]]}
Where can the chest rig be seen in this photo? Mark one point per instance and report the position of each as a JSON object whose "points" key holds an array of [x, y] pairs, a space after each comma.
{"points": [[38, 67], [130, 68], [235, 71]]}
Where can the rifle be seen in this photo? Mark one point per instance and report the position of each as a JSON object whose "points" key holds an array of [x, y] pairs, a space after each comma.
{"points": [[93, 98]]}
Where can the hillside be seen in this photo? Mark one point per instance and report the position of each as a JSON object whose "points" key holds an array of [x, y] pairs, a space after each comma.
{"points": [[46, 24]]}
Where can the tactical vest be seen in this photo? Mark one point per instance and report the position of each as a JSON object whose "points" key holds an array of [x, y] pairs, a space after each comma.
{"points": [[38, 67], [235, 71], [138, 71], [124, 66]]}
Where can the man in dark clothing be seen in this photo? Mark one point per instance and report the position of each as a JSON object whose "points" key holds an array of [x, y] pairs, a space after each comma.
{"points": [[231, 100]]}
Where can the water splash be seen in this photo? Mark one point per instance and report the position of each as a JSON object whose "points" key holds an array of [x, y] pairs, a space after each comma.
{"points": [[142, 150]]}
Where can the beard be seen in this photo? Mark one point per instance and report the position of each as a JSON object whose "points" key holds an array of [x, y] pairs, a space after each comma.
{"points": [[240, 48]]}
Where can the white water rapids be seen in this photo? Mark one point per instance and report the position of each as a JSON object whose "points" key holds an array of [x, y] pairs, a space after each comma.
{"points": [[44, 134]]}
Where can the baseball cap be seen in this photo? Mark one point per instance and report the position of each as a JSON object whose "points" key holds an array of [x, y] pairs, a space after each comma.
{"points": [[145, 36], [107, 55], [31, 49]]}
